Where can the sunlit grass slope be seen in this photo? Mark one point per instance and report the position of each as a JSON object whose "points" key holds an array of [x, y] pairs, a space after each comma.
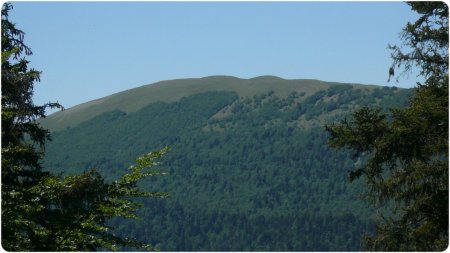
{"points": [[173, 90]]}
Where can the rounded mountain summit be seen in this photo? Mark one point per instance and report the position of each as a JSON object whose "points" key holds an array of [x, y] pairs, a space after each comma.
{"points": [[173, 90]]}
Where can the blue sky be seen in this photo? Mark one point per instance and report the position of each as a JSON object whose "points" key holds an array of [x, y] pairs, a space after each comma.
{"points": [[87, 50]]}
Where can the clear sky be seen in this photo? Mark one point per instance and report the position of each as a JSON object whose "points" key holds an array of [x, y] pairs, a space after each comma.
{"points": [[87, 50]]}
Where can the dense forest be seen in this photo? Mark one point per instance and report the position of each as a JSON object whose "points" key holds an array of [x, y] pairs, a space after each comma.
{"points": [[234, 164], [244, 173]]}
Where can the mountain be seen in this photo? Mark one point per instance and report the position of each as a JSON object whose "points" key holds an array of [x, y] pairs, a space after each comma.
{"points": [[170, 91], [249, 167]]}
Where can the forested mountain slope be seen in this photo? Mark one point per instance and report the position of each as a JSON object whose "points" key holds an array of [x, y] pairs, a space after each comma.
{"points": [[249, 167]]}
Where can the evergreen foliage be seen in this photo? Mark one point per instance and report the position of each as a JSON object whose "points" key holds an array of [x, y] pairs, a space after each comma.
{"points": [[40, 211], [407, 149]]}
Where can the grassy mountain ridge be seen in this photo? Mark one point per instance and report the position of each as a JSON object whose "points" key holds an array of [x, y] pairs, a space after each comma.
{"points": [[249, 167], [173, 90]]}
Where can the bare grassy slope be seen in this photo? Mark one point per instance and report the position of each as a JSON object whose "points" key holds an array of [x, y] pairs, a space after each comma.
{"points": [[173, 90]]}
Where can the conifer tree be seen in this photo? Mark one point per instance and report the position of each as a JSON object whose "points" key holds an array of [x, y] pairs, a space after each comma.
{"points": [[406, 150], [40, 211]]}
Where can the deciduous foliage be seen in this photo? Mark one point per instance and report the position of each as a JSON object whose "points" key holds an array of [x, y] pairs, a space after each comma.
{"points": [[40, 211], [406, 149], [247, 173]]}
